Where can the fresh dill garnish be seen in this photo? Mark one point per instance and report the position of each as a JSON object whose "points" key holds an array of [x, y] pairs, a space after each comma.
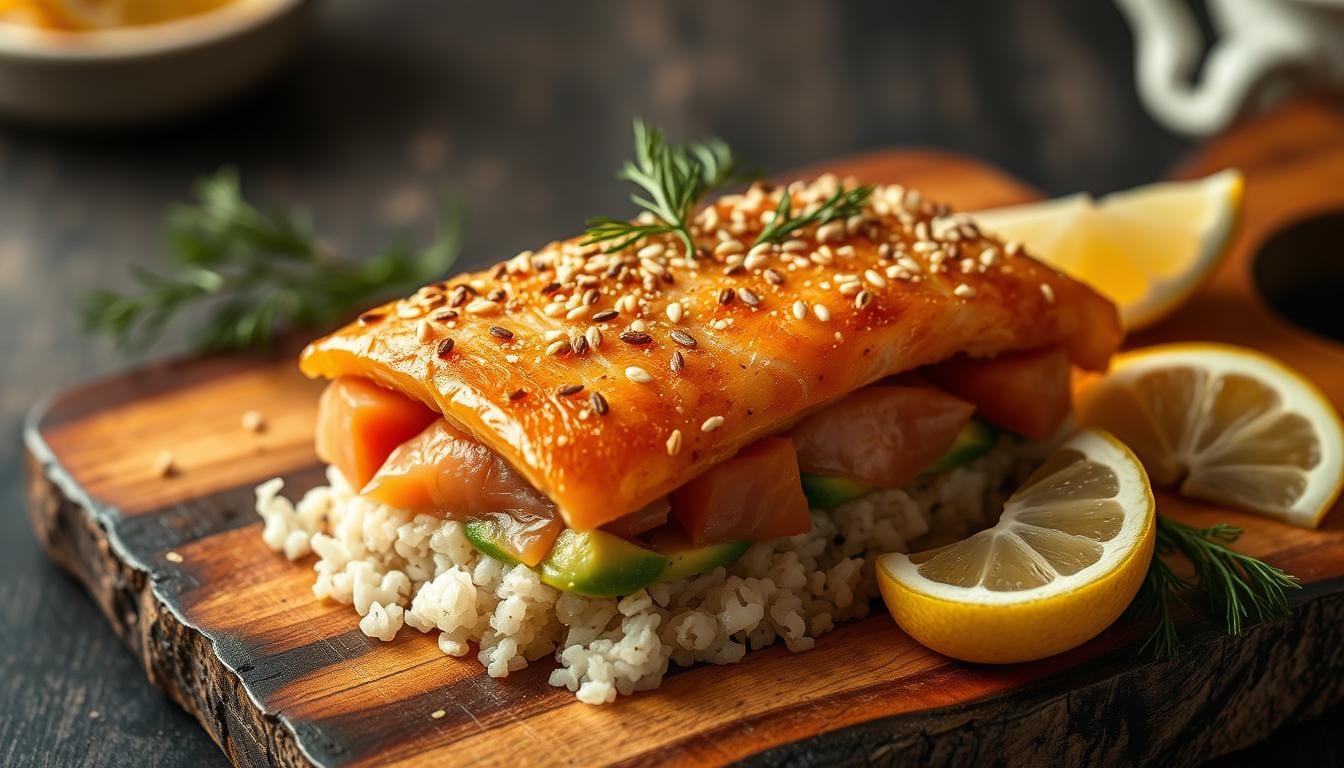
{"points": [[1232, 584], [675, 178], [256, 273], [841, 205]]}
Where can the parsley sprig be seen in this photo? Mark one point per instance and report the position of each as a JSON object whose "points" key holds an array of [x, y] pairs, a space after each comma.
{"points": [[257, 273], [841, 205], [1232, 584], [674, 179]]}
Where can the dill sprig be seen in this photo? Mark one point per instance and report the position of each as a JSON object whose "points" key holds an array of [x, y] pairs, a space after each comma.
{"points": [[1232, 584], [841, 205], [675, 178], [256, 273]]}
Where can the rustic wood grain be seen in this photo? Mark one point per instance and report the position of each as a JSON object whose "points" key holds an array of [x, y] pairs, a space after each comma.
{"points": [[232, 632]]}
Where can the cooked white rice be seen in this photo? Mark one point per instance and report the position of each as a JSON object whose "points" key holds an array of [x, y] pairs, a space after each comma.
{"points": [[399, 569]]}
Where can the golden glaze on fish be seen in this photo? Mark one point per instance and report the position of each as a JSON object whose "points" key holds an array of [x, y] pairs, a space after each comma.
{"points": [[767, 335]]}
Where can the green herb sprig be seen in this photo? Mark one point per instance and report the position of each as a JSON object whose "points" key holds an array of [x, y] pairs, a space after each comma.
{"points": [[841, 205], [1232, 584], [674, 179], [257, 273]]}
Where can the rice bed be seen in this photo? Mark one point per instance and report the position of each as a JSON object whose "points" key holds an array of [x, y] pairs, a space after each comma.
{"points": [[420, 571]]}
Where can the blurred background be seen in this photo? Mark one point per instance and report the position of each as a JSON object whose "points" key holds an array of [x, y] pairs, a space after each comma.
{"points": [[522, 110]]}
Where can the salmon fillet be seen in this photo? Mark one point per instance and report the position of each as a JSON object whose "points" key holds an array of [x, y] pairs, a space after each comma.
{"points": [[610, 379]]}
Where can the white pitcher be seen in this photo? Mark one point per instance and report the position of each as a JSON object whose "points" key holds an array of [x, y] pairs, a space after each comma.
{"points": [[1265, 50]]}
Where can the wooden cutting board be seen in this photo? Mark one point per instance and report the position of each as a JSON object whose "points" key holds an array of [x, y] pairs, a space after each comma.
{"points": [[232, 632]]}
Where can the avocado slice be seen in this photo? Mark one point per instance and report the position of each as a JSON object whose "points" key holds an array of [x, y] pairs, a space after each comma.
{"points": [[485, 536], [591, 563], [973, 441], [686, 560], [827, 491]]}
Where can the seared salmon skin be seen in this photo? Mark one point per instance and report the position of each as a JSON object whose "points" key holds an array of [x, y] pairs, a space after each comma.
{"points": [[609, 379]]}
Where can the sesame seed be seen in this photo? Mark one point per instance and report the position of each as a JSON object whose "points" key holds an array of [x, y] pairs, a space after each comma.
{"points": [[1048, 292], [726, 296], [964, 291], [173, 557], [755, 260], [501, 333], [678, 362], [369, 318], [444, 349], [735, 269], [554, 309], [599, 403], [591, 296], [794, 246], [863, 299], [850, 289], [873, 277], [497, 295], [605, 315], [578, 344], [760, 249], [444, 315], [164, 465], [593, 336], [831, 230], [674, 443], [424, 332], [674, 312], [636, 337], [774, 278], [823, 314], [569, 389], [517, 394], [651, 266], [254, 421], [578, 313], [729, 246], [638, 325], [638, 375], [683, 338], [711, 424], [650, 251], [1013, 248], [800, 310], [458, 296], [557, 348]]}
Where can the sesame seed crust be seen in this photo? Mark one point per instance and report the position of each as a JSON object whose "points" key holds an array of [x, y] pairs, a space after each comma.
{"points": [[751, 333]]}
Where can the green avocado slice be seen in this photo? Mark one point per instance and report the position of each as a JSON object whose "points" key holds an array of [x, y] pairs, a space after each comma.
{"points": [[591, 563], [686, 560], [828, 491], [973, 441]]}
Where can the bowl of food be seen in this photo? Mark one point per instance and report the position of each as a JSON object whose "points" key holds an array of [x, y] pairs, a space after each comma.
{"points": [[108, 62]]}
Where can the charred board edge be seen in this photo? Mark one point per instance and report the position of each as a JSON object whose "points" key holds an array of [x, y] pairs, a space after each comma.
{"points": [[178, 659], [1120, 710]]}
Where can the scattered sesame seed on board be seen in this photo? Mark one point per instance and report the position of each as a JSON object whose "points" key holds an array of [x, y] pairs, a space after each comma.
{"points": [[499, 332], [637, 338], [165, 465], [683, 338], [605, 315], [678, 361], [711, 424], [800, 309], [674, 312], [254, 421], [638, 375], [558, 348], [822, 313]]}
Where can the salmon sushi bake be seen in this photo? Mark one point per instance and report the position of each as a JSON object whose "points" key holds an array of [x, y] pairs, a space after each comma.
{"points": [[686, 445]]}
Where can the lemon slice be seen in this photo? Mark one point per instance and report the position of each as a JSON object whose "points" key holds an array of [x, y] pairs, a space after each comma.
{"points": [[1224, 424], [1146, 249], [1065, 559], [106, 14]]}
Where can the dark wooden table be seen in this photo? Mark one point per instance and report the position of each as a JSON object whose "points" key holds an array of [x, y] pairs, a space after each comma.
{"points": [[523, 110]]}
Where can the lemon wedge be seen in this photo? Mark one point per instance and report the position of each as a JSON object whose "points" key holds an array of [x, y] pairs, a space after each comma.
{"points": [[1066, 557], [1224, 424], [1147, 249]]}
